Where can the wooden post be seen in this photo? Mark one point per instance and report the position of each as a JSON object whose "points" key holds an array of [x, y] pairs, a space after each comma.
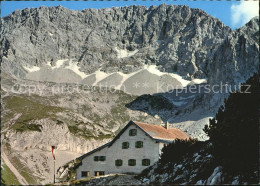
{"points": [[54, 172]]}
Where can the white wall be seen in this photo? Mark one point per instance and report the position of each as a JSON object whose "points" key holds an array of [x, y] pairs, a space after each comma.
{"points": [[150, 151], [161, 145]]}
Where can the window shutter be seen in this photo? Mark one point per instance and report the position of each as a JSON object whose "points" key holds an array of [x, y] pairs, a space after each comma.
{"points": [[119, 162], [138, 144], [131, 162], [125, 145], [102, 158], [146, 162], [85, 174], [132, 132]]}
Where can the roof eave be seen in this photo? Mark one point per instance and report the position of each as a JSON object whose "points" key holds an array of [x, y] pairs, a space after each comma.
{"points": [[93, 151]]}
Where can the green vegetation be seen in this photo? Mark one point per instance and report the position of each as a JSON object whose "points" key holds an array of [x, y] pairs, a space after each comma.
{"points": [[117, 115], [155, 102], [177, 150], [72, 169], [119, 111], [87, 134], [7, 176], [58, 122], [159, 102], [25, 171], [21, 127], [233, 144], [183, 147], [234, 132], [30, 110], [80, 182]]}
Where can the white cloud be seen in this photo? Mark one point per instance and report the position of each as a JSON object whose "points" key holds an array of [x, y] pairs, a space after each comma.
{"points": [[243, 12]]}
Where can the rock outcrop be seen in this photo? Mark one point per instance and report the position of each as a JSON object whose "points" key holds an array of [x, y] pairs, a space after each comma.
{"points": [[54, 47], [177, 39]]}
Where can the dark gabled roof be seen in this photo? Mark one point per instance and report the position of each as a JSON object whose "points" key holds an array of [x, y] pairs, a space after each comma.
{"points": [[155, 132], [93, 151]]}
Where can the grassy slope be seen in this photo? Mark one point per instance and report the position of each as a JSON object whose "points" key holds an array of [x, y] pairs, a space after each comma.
{"points": [[25, 171], [7, 176], [34, 107], [30, 110], [20, 167]]}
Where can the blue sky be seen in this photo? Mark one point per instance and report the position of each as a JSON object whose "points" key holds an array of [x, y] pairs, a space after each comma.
{"points": [[232, 13]]}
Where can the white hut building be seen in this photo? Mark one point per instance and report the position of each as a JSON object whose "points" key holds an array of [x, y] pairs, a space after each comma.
{"points": [[136, 147]]}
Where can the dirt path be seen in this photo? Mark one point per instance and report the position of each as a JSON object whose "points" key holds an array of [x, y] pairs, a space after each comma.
{"points": [[19, 177]]}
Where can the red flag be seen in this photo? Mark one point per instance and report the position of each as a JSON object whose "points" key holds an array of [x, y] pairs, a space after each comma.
{"points": [[52, 150]]}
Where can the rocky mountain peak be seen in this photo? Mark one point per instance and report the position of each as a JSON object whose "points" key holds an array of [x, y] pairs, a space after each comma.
{"points": [[173, 46], [160, 34]]}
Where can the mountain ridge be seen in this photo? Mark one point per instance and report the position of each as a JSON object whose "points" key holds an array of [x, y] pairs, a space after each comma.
{"points": [[52, 48], [38, 18]]}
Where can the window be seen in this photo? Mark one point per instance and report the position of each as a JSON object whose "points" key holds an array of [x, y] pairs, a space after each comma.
{"points": [[102, 158], [132, 132], [85, 174], [119, 162], [146, 162], [99, 173], [95, 158], [125, 145], [132, 162], [99, 158], [139, 144]]}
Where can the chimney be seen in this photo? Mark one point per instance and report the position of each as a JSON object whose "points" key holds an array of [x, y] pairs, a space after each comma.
{"points": [[166, 125]]}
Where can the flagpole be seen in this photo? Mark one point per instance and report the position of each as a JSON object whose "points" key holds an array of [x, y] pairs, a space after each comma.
{"points": [[52, 151], [54, 172]]}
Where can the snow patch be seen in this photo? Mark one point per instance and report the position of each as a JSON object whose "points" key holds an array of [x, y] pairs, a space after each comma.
{"points": [[75, 68], [179, 166], [48, 63], [153, 69], [99, 76], [121, 53], [179, 103], [216, 177], [72, 65], [150, 68], [189, 97], [197, 158], [145, 180], [180, 79], [200, 182], [59, 63], [235, 181], [199, 81], [32, 68]]}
